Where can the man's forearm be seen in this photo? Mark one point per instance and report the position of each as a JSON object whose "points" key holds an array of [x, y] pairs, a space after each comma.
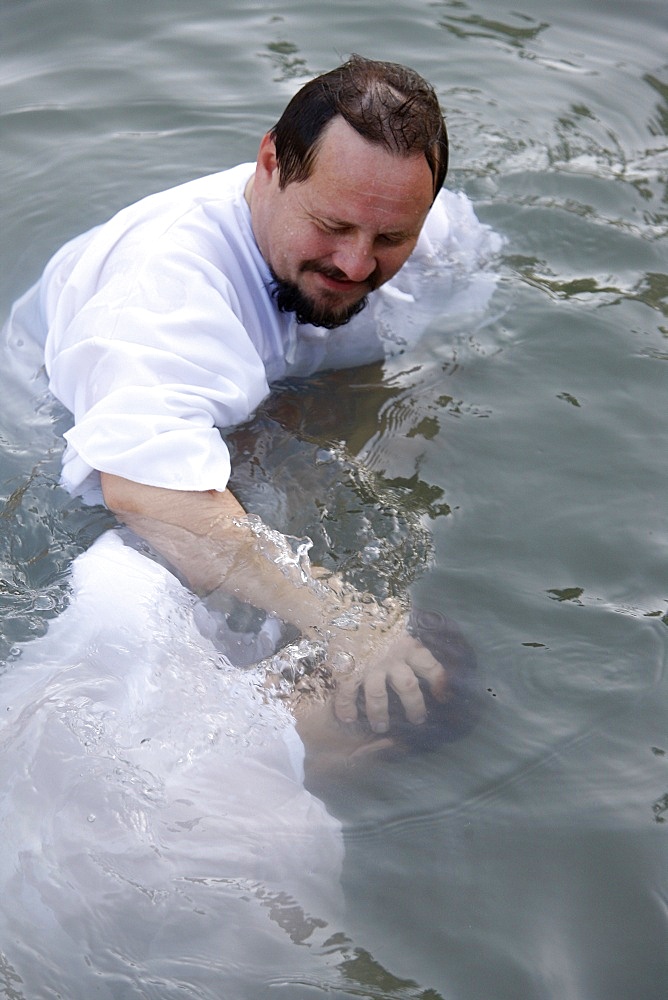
{"points": [[211, 541]]}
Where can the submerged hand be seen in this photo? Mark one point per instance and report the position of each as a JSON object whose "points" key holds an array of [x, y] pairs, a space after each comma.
{"points": [[377, 656]]}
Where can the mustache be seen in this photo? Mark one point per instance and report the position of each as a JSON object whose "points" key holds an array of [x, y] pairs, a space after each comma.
{"points": [[330, 271]]}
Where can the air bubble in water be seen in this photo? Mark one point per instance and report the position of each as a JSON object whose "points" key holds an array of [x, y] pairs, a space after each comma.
{"points": [[44, 603]]}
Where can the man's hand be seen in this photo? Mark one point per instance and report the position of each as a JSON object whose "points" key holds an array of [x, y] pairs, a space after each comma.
{"points": [[379, 655]]}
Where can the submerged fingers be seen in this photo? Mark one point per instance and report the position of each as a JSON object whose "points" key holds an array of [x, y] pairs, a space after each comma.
{"points": [[404, 682], [345, 697], [428, 668], [402, 679], [400, 671], [375, 700]]}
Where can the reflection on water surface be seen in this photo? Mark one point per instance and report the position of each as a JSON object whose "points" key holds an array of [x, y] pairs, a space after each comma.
{"points": [[510, 472]]}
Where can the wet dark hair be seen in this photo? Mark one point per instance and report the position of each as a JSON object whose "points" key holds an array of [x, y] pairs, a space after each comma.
{"points": [[386, 103]]}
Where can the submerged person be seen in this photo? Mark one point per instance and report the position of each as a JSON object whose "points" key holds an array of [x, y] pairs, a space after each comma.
{"points": [[172, 320], [158, 837]]}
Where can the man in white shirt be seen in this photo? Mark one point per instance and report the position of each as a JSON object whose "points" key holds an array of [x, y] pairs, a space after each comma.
{"points": [[171, 321]]}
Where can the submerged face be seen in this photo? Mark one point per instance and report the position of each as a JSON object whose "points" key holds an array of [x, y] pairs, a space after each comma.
{"points": [[348, 228], [332, 745]]}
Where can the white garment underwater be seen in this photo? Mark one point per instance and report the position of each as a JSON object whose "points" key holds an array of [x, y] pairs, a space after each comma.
{"points": [[155, 825]]}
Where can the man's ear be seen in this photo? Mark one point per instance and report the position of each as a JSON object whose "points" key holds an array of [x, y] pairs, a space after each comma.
{"points": [[267, 165]]}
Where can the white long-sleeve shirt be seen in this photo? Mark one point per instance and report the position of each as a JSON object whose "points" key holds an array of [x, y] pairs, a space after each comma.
{"points": [[161, 329]]}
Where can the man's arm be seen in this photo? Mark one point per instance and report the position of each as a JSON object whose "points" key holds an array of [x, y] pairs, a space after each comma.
{"points": [[211, 541]]}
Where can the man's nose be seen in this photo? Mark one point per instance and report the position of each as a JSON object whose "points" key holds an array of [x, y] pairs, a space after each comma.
{"points": [[355, 258]]}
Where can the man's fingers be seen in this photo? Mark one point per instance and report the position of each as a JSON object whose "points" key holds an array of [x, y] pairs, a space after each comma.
{"points": [[427, 666], [345, 697], [400, 669], [403, 680], [375, 700]]}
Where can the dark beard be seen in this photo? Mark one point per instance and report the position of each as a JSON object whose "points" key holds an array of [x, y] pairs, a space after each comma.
{"points": [[289, 298]]}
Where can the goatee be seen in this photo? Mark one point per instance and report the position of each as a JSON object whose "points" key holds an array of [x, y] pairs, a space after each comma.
{"points": [[289, 298]]}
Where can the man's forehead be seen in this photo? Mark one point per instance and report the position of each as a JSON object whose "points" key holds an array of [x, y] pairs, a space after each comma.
{"points": [[344, 158]]}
